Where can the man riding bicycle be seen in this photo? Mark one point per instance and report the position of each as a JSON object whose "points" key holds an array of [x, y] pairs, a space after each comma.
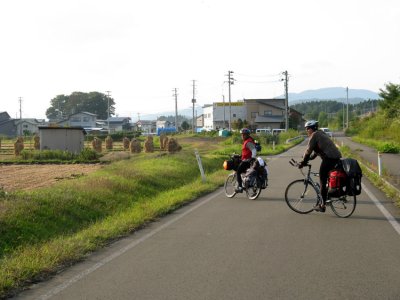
{"points": [[320, 144], [249, 152]]}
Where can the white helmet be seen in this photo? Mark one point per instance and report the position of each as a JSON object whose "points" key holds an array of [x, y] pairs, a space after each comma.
{"points": [[311, 124]]}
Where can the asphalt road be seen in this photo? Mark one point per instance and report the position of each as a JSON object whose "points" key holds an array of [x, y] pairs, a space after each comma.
{"points": [[221, 248]]}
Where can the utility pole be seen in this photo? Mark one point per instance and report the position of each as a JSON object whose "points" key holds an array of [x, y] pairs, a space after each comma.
{"points": [[194, 101], [20, 115], [286, 100], [347, 114], [108, 111], [223, 101], [176, 108], [230, 82]]}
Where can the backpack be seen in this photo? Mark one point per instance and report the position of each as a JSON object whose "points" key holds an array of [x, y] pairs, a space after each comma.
{"points": [[354, 174]]}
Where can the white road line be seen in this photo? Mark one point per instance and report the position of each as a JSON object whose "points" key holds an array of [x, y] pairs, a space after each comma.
{"points": [[383, 210], [118, 253]]}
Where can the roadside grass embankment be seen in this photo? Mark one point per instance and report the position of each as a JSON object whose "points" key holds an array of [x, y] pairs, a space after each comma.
{"points": [[380, 182], [46, 230]]}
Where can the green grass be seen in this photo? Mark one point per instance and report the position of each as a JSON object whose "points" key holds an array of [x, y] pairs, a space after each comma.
{"points": [[378, 181], [44, 230]]}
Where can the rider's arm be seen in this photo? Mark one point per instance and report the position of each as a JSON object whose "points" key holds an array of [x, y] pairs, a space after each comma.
{"points": [[252, 148], [312, 143]]}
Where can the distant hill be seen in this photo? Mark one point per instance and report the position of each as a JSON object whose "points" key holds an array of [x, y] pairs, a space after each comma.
{"points": [[333, 93], [188, 112]]}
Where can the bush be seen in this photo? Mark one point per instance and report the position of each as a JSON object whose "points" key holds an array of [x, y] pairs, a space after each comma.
{"points": [[389, 148], [86, 155]]}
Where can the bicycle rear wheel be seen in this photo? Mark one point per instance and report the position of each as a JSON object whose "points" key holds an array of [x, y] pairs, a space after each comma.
{"points": [[344, 206], [230, 185], [301, 196], [254, 191]]}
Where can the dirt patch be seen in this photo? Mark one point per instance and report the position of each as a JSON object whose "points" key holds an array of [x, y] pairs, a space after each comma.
{"points": [[29, 177]]}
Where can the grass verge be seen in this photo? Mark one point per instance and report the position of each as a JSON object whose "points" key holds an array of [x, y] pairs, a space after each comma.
{"points": [[377, 181]]}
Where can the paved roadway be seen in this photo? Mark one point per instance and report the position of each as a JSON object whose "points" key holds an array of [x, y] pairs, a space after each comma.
{"points": [[221, 248]]}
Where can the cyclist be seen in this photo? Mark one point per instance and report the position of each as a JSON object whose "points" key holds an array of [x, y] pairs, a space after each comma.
{"points": [[249, 152], [320, 144]]}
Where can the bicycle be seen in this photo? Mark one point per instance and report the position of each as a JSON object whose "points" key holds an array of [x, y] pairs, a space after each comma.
{"points": [[253, 184], [302, 195]]}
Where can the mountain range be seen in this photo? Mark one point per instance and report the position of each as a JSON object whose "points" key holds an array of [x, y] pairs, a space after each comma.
{"points": [[331, 93]]}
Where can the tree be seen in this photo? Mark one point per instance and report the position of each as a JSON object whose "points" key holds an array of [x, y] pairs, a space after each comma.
{"points": [[185, 125], [94, 102], [391, 100]]}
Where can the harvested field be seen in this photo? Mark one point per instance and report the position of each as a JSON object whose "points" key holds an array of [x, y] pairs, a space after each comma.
{"points": [[29, 177]]}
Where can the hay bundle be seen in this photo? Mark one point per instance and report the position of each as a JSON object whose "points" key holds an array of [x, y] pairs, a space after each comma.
{"points": [[36, 144], [162, 139], [126, 143], [173, 145], [135, 146], [97, 145], [149, 145], [109, 143], [18, 145], [165, 143]]}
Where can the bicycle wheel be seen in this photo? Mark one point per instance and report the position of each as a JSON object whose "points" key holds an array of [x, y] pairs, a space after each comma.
{"points": [[254, 191], [344, 206], [301, 196], [230, 185]]}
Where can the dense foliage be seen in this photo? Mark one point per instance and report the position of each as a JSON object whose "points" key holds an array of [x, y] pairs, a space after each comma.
{"points": [[381, 129], [333, 114], [94, 102]]}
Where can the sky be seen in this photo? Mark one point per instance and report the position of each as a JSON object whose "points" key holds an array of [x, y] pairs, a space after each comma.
{"points": [[141, 50]]}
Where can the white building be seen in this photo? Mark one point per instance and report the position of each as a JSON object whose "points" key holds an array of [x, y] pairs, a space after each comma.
{"points": [[218, 114]]}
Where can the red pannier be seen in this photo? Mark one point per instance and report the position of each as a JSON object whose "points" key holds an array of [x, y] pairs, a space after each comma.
{"points": [[337, 183]]}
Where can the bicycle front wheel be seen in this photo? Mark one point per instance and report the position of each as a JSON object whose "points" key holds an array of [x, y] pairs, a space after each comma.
{"points": [[230, 185], [343, 207], [301, 196]]}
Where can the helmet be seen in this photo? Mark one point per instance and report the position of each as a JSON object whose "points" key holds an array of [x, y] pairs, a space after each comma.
{"points": [[311, 124], [245, 131]]}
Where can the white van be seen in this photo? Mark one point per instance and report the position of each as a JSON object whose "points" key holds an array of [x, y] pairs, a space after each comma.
{"points": [[263, 131], [278, 131]]}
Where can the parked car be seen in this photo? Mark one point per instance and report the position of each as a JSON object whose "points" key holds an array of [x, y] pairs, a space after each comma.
{"points": [[277, 131], [263, 130], [327, 131]]}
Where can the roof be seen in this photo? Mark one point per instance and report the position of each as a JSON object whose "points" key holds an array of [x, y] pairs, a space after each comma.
{"points": [[117, 119]]}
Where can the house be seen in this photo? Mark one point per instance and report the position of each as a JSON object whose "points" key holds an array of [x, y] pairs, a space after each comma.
{"points": [[119, 124], [259, 113], [265, 113], [7, 125], [81, 119], [28, 126], [147, 126], [216, 115]]}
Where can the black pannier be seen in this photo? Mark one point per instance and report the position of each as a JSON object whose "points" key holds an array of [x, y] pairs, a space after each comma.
{"points": [[354, 174]]}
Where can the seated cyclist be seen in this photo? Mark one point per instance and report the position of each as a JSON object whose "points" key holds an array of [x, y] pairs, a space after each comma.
{"points": [[320, 144], [249, 152]]}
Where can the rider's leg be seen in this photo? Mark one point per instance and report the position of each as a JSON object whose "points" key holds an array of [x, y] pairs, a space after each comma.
{"points": [[243, 166], [327, 165]]}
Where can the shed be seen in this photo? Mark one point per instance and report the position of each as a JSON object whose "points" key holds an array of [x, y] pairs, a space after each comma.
{"points": [[71, 139]]}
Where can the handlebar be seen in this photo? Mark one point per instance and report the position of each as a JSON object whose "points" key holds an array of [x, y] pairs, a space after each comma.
{"points": [[297, 164]]}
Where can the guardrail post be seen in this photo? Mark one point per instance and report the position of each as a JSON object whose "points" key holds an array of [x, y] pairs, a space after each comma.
{"points": [[203, 176], [379, 164]]}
